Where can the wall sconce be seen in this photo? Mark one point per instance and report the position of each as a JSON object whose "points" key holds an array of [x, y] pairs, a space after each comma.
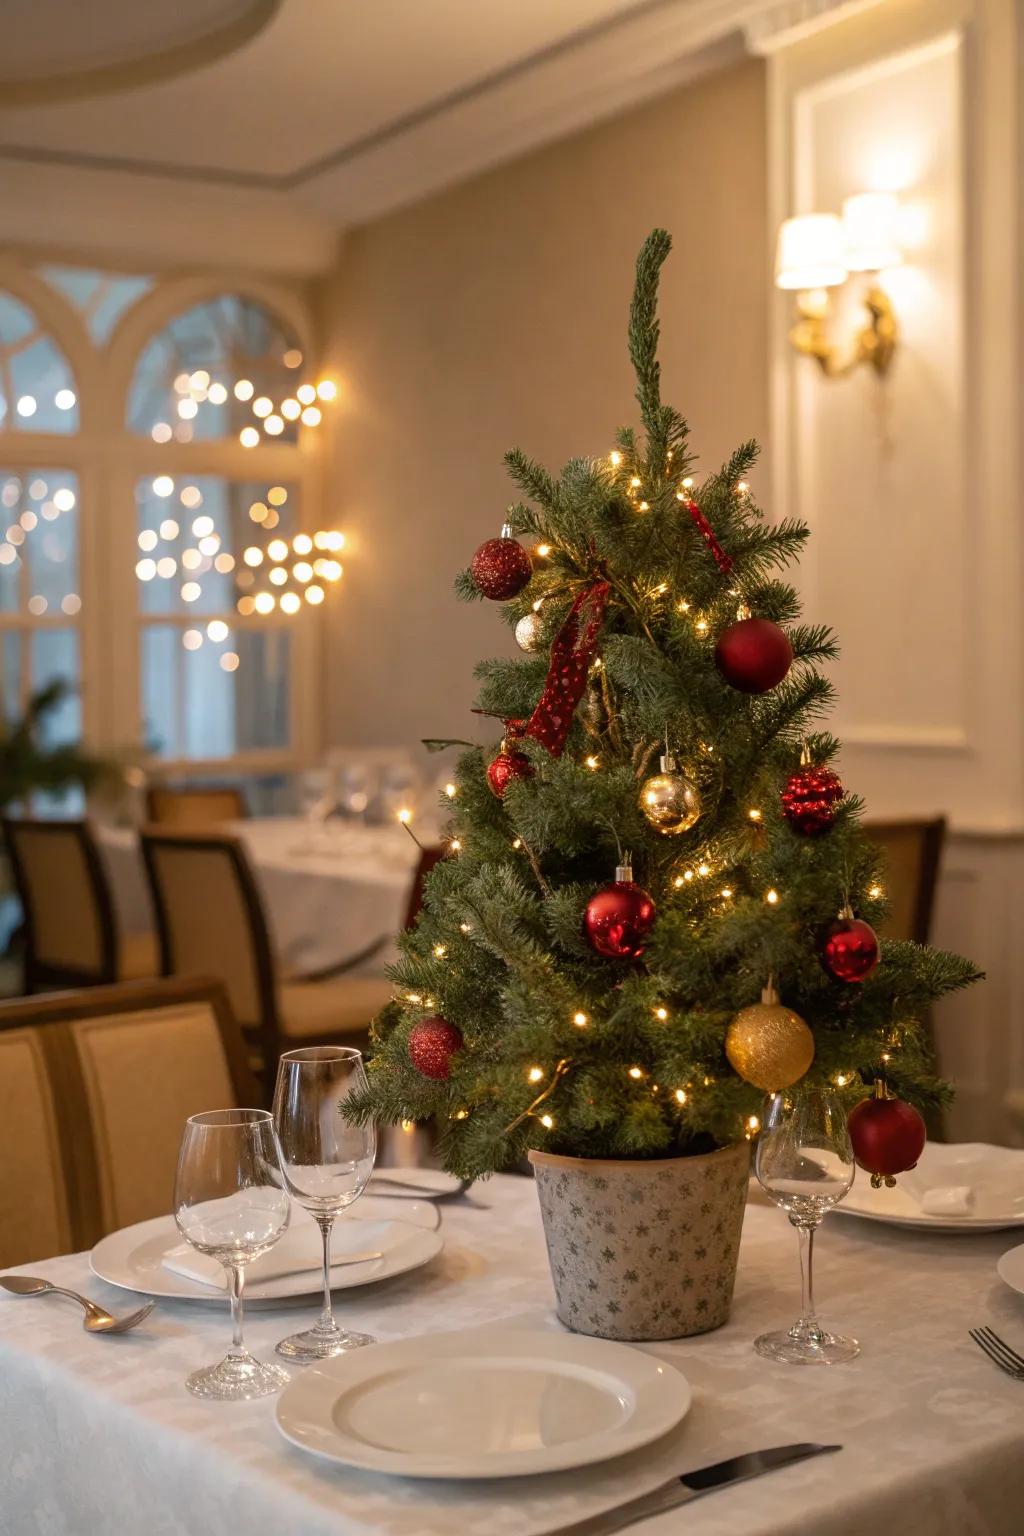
{"points": [[819, 251]]}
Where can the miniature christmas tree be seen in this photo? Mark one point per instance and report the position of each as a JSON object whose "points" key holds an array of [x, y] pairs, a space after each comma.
{"points": [[658, 902]]}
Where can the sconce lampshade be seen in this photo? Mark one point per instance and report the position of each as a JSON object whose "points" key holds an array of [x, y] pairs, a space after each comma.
{"points": [[870, 231], [810, 252]]}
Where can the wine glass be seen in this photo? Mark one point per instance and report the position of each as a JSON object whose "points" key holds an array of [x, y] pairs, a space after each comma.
{"points": [[230, 1202], [327, 1159], [805, 1164], [317, 799]]}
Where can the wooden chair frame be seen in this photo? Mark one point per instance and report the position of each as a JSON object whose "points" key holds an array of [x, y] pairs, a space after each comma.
{"points": [[933, 836], [40, 976], [54, 1013], [184, 792], [269, 1031]]}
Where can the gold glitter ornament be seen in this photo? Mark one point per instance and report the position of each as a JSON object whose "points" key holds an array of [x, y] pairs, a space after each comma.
{"points": [[768, 1044], [528, 631], [669, 800]]}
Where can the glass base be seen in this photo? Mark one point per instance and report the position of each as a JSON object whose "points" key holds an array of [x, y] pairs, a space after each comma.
{"points": [[806, 1345], [237, 1378], [322, 1343]]}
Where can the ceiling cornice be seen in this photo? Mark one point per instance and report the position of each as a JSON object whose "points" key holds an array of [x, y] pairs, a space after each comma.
{"points": [[585, 78]]}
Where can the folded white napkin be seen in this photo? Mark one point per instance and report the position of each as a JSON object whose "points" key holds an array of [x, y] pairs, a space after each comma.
{"points": [[948, 1200], [298, 1252]]}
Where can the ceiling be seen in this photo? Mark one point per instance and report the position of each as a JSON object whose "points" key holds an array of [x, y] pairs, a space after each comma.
{"points": [[209, 128]]}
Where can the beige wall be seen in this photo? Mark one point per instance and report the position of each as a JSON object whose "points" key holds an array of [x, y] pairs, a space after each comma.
{"points": [[495, 315]]}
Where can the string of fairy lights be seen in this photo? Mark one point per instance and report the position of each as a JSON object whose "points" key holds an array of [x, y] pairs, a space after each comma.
{"points": [[275, 575], [536, 1073]]}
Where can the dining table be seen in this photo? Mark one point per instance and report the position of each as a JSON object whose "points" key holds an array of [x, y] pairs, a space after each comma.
{"points": [[100, 1434], [329, 889]]}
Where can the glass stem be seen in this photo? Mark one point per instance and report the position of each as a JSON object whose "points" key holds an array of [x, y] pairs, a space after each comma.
{"points": [[236, 1287], [808, 1322], [326, 1323]]}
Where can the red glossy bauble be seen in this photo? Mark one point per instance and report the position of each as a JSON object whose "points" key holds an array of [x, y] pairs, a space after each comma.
{"points": [[619, 917], [432, 1044], [809, 799], [849, 948], [506, 768], [753, 655], [501, 568], [888, 1137]]}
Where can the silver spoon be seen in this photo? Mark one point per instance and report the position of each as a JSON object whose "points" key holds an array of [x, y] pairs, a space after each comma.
{"points": [[96, 1320]]}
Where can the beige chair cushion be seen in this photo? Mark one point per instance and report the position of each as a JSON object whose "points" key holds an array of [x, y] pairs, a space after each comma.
{"points": [[138, 957], [211, 934], [324, 1008], [65, 923], [34, 1217], [144, 1074]]}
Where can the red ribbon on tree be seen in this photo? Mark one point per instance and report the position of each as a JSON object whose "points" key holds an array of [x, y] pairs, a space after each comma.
{"points": [[703, 527], [571, 654]]}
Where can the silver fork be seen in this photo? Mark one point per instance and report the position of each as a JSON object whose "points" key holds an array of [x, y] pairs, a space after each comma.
{"points": [[999, 1352]]}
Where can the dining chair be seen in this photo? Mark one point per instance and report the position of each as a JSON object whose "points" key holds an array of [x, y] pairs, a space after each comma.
{"points": [[913, 853], [211, 920], [95, 1087], [194, 806], [70, 927]]}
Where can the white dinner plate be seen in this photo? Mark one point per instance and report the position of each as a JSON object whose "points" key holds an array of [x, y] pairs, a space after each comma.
{"points": [[994, 1174], [486, 1402], [133, 1259]]}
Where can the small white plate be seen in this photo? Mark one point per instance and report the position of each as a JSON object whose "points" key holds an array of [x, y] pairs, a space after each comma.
{"points": [[995, 1174], [133, 1259], [483, 1403]]}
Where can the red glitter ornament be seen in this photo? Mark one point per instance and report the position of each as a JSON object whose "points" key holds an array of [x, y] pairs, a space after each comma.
{"points": [[849, 949], [619, 917], [888, 1136], [432, 1044], [810, 797], [753, 655], [508, 766], [501, 567]]}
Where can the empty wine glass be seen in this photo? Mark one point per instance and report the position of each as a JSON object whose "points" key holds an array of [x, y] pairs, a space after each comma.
{"points": [[230, 1202], [317, 798], [805, 1164], [327, 1159]]}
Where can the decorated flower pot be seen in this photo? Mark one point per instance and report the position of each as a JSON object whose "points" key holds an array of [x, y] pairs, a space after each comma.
{"points": [[643, 1250]]}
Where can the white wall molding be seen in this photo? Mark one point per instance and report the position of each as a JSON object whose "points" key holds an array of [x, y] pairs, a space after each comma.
{"points": [[791, 21]]}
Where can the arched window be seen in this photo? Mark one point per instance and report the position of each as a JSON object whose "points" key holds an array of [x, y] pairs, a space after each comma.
{"points": [[37, 390], [40, 591], [169, 541], [225, 569], [222, 367]]}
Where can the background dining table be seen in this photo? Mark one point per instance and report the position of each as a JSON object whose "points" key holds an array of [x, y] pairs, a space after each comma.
{"points": [[101, 1434], [329, 890]]}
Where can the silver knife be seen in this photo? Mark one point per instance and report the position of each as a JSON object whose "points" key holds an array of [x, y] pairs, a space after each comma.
{"points": [[692, 1485]]}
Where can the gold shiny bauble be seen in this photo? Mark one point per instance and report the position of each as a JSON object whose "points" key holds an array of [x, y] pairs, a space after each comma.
{"points": [[527, 631], [769, 1045], [669, 800]]}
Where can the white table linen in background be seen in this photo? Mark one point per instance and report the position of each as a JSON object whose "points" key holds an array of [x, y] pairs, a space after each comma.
{"points": [[99, 1437], [322, 906]]}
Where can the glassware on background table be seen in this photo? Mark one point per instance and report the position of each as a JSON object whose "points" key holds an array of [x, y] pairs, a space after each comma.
{"points": [[317, 799], [230, 1202], [354, 790], [327, 1160], [400, 788], [804, 1162]]}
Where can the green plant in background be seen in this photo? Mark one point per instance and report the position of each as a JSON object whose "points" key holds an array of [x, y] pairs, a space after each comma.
{"points": [[508, 1024], [28, 766]]}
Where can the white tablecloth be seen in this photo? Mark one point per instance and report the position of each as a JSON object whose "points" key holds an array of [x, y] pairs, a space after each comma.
{"points": [[323, 905], [100, 1435]]}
